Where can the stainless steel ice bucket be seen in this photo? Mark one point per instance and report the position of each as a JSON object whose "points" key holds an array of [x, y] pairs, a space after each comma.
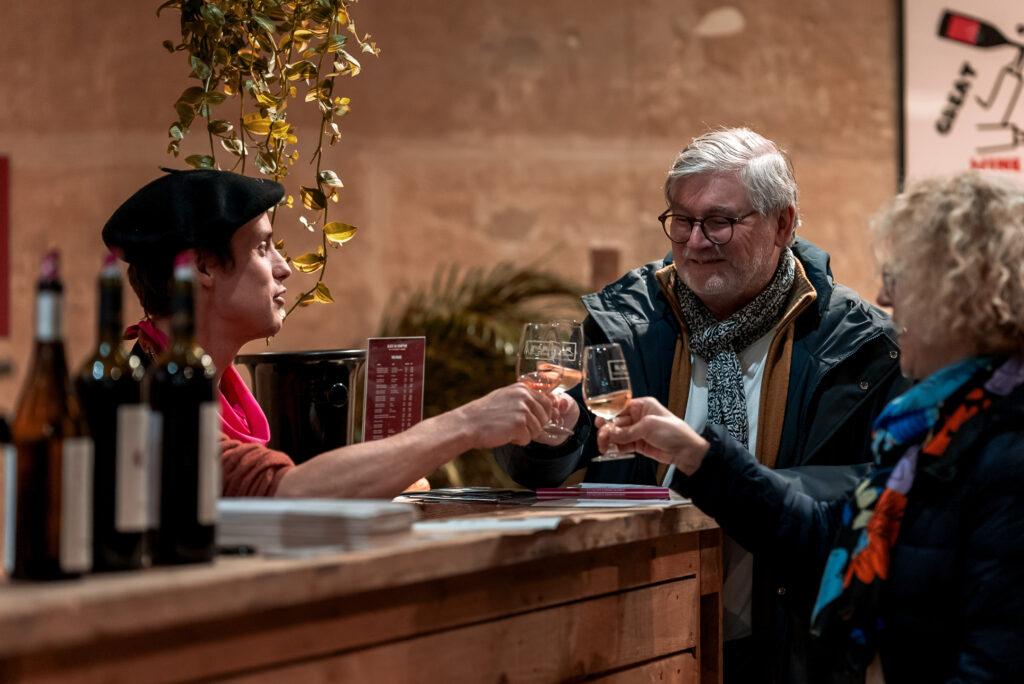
{"points": [[313, 399]]}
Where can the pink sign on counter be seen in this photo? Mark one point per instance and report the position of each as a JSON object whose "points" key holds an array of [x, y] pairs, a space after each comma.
{"points": [[394, 385]]}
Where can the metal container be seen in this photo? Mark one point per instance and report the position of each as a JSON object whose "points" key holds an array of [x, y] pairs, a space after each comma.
{"points": [[313, 399]]}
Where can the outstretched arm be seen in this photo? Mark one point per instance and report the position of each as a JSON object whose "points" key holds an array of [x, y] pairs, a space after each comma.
{"points": [[758, 508], [384, 468]]}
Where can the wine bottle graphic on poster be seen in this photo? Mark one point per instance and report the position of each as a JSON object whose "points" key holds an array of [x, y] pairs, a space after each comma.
{"points": [[109, 386], [184, 433], [48, 483]]}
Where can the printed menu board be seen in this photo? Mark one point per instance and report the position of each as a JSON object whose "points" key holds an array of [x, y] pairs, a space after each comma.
{"points": [[394, 385]]}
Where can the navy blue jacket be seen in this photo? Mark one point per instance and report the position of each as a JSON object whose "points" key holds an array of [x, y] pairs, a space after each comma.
{"points": [[953, 605]]}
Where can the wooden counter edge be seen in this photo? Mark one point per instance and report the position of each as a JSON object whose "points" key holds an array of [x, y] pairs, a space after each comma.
{"points": [[38, 616]]}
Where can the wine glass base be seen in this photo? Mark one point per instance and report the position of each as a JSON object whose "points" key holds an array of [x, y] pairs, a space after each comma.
{"points": [[614, 456]]}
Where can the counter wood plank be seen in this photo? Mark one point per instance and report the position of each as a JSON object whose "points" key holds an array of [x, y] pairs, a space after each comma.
{"points": [[619, 595]]}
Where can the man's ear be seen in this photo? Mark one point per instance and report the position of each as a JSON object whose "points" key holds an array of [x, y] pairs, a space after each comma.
{"points": [[206, 268], [784, 226]]}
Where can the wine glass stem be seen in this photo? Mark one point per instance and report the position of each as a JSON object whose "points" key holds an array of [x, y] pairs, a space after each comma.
{"points": [[612, 447]]}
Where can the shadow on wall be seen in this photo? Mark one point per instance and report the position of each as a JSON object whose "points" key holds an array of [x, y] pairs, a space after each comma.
{"points": [[472, 322]]}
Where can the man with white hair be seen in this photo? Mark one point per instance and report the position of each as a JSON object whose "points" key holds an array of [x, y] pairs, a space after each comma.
{"points": [[741, 325]]}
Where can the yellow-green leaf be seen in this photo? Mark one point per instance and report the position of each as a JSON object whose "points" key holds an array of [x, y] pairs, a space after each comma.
{"points": [[192, 96], [336, 42], [339, 232], [254, 123], [266, 100], [234, 146], [279, 129], [330, 179], [304, 70], [322, 294], [199, 68], [213, 15], [309, 263], [219, 126], [312, 198], [199, 161], [264, 23], [302, 34], [266, 163]]}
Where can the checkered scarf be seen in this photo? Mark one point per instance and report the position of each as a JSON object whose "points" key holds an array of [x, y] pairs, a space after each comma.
{"points": [[718, 343]]}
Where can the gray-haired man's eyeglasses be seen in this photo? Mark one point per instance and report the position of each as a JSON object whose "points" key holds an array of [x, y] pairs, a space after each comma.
{"points": [[717, 229]]}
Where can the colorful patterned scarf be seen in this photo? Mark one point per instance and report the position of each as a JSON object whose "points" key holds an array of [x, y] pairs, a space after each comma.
{"points": [[917, 425]]}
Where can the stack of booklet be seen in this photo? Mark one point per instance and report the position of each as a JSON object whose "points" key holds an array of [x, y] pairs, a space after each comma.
{"points": [[293, 525]]}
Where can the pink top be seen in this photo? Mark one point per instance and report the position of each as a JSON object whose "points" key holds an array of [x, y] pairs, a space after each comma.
{"points": [[241, 418]]}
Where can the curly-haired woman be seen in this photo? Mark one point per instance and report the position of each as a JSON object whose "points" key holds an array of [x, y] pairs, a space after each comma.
{"points": [[924, 562]]}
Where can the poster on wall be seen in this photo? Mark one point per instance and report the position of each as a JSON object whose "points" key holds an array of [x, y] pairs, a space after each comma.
{"points": [[963, 87]]}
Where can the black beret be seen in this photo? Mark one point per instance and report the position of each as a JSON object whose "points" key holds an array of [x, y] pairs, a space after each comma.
{"points": [[183, 209]]}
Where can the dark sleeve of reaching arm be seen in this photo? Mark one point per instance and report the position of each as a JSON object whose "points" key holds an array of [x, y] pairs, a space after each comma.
{"points": [[759, 509], [536, 465], [251, 469]]}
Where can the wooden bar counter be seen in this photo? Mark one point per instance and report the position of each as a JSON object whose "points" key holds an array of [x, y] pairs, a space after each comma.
{"points": [[610, 595]]}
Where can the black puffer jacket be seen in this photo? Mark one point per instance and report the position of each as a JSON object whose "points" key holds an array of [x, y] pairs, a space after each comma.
{"points": [[954, 601], [844, 369]]}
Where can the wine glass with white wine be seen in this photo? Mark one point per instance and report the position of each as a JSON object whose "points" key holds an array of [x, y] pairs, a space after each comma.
{"points": [[571, 335], [606, 388], [539, 364]]}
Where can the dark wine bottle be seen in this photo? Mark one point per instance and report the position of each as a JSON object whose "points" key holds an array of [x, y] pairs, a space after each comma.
{"points": [[52, 473], [965, 29], [109, 389], [184, 433]]}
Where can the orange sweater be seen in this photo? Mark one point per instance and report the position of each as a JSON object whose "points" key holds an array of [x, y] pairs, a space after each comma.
{"points": [[250, 468]]}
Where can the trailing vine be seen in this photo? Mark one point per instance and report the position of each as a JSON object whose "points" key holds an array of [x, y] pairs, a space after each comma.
{"points": [[258, 51]]}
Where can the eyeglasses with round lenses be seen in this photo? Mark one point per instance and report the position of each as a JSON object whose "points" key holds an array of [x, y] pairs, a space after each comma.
{"points": [[717, 229]]}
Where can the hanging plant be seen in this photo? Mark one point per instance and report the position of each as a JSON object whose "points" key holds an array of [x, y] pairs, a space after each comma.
{"points": [[250, 58]]}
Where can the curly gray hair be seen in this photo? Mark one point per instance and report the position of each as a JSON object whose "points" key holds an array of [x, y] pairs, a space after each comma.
{"points": [[954, 248]]}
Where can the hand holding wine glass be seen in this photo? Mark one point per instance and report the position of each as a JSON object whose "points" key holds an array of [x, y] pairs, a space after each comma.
{"points": [[539, 362], [606, 388]]}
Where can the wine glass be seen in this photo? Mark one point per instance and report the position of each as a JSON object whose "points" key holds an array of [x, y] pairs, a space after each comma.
{"points": [[571, 335], [606, 388], [540, 361]]}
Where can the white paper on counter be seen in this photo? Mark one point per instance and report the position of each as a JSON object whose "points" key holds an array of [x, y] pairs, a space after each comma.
{"points": [[610, 503], [481, 524]]}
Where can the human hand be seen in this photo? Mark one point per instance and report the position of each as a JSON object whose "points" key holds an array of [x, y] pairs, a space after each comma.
{"points": [[647, 427], [514, 414], [565, 412]]}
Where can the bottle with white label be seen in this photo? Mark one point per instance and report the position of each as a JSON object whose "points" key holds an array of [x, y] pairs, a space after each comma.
{"points": [[48, 482], [108, 386], [184, 433]]}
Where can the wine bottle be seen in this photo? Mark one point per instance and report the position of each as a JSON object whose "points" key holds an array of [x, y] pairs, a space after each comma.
{"points": [[108, 386], [184, 433], [965, 29], [52, 470]]}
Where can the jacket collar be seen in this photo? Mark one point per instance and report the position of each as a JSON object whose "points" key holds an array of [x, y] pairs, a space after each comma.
{"points": [[801, 295]]}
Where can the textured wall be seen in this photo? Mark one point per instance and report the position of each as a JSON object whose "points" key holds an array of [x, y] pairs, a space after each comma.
{"points": [[487, 130]]}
